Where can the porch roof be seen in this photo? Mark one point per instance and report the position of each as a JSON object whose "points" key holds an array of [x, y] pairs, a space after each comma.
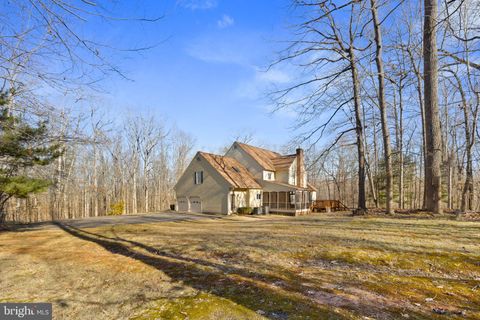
{"points": [[279, 186]]}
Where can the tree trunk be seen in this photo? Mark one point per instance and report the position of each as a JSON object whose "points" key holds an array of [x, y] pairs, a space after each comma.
{"points": [[374, 174], [372, 186], [146, 189], [467, 191], [450, 180], [387, 152], [418, 78], [134, 193], [401, 183], [398, 115], [433, 176], [95, 181], [362, 205]]}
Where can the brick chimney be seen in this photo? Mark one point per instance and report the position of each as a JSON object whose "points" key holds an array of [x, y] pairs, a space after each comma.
{"points": [[301, 169]]}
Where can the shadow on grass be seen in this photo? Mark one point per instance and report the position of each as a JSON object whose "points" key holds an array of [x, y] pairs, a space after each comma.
{"points": [[243, 288]]}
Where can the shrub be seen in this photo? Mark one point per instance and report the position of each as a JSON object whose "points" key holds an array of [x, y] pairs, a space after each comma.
{"points": [[116, 208], [245, 210]]}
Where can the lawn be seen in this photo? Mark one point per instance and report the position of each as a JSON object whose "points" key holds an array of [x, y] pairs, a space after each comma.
{"points": [[268, 267]]}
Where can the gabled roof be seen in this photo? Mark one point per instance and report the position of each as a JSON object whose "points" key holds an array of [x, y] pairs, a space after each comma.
{"points": [[262, 156], [284, 162], [268, 160], [232, 171]]}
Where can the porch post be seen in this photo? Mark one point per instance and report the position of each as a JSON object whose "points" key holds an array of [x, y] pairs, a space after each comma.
{"points": [[303, 200], [231, 201], [277, 200]]}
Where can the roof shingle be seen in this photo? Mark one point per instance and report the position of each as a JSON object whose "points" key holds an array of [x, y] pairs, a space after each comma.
{"points": [[269, 160], [262, 156], [232, 171], [284, 162]]}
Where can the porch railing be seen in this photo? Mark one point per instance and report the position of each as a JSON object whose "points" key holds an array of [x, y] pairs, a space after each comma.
{"points": [[287, 205]]}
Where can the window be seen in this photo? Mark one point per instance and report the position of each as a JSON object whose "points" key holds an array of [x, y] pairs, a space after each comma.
{"points": [[259, 196], [198, 178], [268, 175]]}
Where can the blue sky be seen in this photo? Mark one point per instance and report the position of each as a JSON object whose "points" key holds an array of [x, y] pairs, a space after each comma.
{"points": [[207, 74]]}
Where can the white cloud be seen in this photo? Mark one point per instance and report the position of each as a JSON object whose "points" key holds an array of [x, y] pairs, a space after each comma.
{"points": [[273, 76], [225, 47], [258, 87], [248, 51], [225, 22], [198, 4], [262, 82], [210, 51]]}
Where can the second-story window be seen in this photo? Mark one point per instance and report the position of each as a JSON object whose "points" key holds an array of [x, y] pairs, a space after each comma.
{"points": [[268, 175], [198, 178]]}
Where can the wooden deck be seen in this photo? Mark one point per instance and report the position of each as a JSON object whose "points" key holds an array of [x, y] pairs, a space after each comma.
{"points": [[327, 205]]}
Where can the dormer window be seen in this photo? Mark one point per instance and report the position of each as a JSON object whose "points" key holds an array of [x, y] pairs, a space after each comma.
{"points": [[268, 175]]}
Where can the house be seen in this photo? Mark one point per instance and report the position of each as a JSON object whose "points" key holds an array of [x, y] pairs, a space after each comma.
{"points": [[246, 176]]}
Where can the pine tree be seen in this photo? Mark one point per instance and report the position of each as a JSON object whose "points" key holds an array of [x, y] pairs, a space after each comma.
{"points": [[22, 146]]}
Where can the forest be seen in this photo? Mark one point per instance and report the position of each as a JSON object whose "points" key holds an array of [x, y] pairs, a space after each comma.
{"points": [[387, 101], [386, 97]]}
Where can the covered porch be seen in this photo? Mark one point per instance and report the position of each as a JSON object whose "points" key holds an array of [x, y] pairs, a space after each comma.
{"points": [[293, 202]]}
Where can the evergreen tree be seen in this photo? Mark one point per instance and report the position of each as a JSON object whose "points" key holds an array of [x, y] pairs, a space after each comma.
{"points": [[22, 146]]}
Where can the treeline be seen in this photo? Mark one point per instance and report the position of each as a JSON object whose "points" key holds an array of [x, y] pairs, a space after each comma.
{"points": [[53, 70], [387, 98], [106, 169], [387, 95]]}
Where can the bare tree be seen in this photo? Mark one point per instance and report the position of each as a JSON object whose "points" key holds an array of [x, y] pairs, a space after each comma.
{"points": [[35, 33], [327, 48], [383, 106], [433, 174]]}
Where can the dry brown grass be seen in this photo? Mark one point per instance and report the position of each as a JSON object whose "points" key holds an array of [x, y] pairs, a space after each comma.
{"points": [[314, 267]]}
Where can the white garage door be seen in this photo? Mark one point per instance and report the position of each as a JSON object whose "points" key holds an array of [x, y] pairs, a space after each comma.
{"points": [[183, 204], [195, 204]]}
